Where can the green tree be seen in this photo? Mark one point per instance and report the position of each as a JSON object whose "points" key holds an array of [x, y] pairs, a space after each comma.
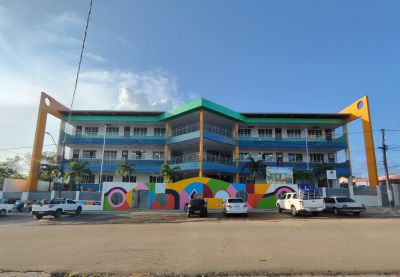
{"points": [[171, 174], [320, 173], [303, 176], [11, 168], [76, 171], [48, 172], [256, 168], [124, 169]]}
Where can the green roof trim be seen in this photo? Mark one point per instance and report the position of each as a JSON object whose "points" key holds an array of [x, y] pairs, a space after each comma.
{"points": [[209, 106]]}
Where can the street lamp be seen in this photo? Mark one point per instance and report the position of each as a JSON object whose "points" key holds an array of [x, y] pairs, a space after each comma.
{"points": [[102, 157]]}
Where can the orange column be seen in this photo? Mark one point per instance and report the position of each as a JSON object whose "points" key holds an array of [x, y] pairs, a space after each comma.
{"points": [[166, 140], [360, 109], [201, 143], [237, 177]]}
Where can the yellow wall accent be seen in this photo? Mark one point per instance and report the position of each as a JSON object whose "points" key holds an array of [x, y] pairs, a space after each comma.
{"points": [[214, 203], [261, 188], [180, 185], [360, 109], [51, 107]]}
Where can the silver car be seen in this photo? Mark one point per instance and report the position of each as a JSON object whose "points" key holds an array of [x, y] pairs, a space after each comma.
{"points": [[341, 205], [235, 205]]}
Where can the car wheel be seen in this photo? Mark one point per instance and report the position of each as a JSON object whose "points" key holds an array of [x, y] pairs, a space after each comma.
{"points": [[245, 214], [335, 211], [38, 216], [78, 210], [58, 213], [279, 208], [188, 214], [356, 213], [294, 212], [3, 212]]}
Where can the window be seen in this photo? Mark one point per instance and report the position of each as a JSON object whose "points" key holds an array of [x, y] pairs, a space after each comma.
{"points": [[91, 131], [329, 200], [345, 200], [244, 156], [159, 132], [158, 155], [127, 132], [139, 131], [88, 179], [124, 154], [279, 158], [294, 133], [75, 154], [110, 155], [294, 196], [107, 178], [89, 154], [112, 131], [265, 133], [138, 155], [235, 200], [244, 132], [295, 158], [129, 179], [70, 201], [268, 157], [315, 133], [317, 158], [156, 179], [331, 157], [283, 196], [78, 131]]}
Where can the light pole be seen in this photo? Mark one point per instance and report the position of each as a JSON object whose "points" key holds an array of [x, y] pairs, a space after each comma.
{"points": [[102, 158], [52, 138], [307, 156]]}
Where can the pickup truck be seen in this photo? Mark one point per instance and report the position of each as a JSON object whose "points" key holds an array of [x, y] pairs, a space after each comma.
{"points": [[56, 207], [5, 209], [301, 202]]}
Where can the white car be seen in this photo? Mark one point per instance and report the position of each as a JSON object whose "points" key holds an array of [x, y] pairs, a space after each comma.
{"points": [[56, 207], [343, 204], [235, 206], [5, 209], [301, 202]]}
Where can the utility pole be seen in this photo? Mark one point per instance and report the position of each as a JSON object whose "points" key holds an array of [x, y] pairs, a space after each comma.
{"points": [[384, 149]]}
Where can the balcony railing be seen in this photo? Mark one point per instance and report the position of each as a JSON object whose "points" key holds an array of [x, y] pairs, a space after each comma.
{"points": [[111, 136], [293, 139], [196, 127], [194, 157], [116, 161], [217, 130]]}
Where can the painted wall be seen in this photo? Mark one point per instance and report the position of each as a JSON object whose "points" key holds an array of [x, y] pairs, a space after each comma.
{"points": [[118, 196]]}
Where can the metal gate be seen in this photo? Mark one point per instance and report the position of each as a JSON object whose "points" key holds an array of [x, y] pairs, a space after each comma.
{"points": [[384, 196], [143, 199]]}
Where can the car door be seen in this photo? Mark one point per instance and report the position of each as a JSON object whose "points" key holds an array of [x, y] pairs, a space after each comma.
{"points": [[288, 202], [71, 206]]}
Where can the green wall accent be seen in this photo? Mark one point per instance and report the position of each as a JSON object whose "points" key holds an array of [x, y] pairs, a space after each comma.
{"points": [[216, 185], [267, 203]]}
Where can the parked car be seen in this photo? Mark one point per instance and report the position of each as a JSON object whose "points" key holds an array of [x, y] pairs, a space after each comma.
{"points": [[197, 206], [56, 207], [306, 201], [235, 205], [5, 209], [341, 205]]}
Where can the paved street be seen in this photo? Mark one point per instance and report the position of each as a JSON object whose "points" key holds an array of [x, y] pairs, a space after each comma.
{"points": [[168, 242]]}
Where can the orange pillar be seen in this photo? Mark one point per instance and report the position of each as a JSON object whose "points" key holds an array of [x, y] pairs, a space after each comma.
{"points": [[360, 109], [201, 143], [47, 105], [237, 177]]}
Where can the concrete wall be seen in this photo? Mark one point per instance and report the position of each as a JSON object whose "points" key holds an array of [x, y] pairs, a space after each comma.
{"points": [[15, 185]]}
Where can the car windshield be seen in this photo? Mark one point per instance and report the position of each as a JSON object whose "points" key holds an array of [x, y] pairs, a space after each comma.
{"points": [[197, 202], [235, 200], [344, 199]]}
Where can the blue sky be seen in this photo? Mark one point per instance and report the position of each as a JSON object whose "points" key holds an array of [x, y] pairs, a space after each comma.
{"points": [[264, 56]]}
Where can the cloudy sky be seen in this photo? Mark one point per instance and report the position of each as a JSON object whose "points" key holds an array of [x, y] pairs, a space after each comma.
{"points": [[251, 56]]}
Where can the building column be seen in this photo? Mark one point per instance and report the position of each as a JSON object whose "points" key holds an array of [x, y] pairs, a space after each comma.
{"points": [[348, 156], [166, 142], [201, 143], [237, 177]]}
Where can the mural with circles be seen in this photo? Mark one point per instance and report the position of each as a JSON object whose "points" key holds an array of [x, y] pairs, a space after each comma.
{"points": [[118, 196]]}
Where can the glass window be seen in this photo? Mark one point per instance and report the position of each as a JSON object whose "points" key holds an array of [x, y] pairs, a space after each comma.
{"points": [[124, 154], [294, 196], [265, 133], [110, 155], [244, 132], [138, 155], [70, 202], [317, 158], [283, 196], [235, 200], [295, 157], [331, 157], [89, 154], [129, 179], [294, 133], [244, 156], [112, 131], [156, 179], [140, 131], [158, 155], [107, 178], [279, 157], [315, 133], [159, 132], [88, 179], [344, 199], [91, 131], [75, 154], [268, 157]]}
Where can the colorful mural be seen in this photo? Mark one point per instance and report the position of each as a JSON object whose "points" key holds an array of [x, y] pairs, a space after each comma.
{"points": [[118, 196]]}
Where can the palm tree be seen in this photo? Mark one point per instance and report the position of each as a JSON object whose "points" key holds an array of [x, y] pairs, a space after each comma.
{"points": [[48, 172], [124, 169], [256, 168], [76, 170], [303, 176], [320, 173], [170, 173]]}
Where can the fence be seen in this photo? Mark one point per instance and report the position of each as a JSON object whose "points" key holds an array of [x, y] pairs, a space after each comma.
{"points": [[337, 192]]}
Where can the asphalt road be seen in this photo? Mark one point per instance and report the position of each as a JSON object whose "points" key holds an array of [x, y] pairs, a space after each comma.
{"points": [[169, 243]]}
